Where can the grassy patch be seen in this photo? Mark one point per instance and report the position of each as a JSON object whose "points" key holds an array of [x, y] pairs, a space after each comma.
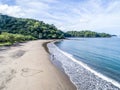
{"points": [[7, 39], [5, 44]]}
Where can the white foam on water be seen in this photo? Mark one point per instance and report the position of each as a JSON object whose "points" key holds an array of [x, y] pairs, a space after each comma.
{"points": [[115, 83]]}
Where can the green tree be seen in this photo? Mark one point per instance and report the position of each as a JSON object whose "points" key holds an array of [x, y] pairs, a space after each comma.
{"points": [[35, 28]]}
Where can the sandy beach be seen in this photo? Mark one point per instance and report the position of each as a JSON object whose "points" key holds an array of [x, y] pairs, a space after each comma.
{"points": [[27, 67]]}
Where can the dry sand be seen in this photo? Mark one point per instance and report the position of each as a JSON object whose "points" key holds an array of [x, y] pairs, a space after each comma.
{"points": [[27, 67]]}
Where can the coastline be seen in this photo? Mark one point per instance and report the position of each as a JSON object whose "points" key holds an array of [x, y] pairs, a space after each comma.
{"points": [[94, 79], [28, 67]]}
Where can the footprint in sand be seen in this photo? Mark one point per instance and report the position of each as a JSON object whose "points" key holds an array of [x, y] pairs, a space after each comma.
{"points": [[26, 72], [18, 53]]}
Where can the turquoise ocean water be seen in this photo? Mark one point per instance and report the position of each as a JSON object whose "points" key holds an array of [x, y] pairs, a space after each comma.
{"points": [[101, 54]]}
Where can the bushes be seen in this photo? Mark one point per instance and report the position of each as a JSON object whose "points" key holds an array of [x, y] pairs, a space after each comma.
{"points": [[9, 39]]}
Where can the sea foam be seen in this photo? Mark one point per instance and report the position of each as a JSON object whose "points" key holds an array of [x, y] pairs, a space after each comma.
{"points": [[80, 74]]}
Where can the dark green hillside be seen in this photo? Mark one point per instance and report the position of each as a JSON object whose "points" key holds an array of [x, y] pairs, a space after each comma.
{"points": [[86, 34], [39, 29], [35, 28]]}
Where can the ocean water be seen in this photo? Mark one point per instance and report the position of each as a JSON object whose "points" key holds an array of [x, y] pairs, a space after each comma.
{"points": [[101, 54]]}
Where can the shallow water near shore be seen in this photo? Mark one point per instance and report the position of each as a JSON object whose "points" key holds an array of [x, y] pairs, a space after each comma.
{"points": [[101, 54], [81, 75]]}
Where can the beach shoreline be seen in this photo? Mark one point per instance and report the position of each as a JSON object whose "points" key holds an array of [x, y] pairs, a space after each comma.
{"points": [[28, 67], [80, 74]]}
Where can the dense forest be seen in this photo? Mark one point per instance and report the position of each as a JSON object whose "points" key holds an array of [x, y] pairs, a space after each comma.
{"points": [[39, 29], [35, 28], [86, 34], [14, 30]]}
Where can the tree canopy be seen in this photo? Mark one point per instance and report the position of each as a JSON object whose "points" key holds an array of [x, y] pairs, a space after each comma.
{"points": [[86, 33], [35, 28], [39, 29]]}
